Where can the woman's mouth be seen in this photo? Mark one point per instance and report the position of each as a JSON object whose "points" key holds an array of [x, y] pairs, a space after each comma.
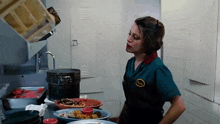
{"points": [[128, 46]]}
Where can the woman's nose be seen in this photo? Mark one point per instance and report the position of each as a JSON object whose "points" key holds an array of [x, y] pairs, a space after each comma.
{"points": [[129, 39]]}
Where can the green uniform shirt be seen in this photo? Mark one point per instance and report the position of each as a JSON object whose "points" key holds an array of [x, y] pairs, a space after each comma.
{"points": [[149, 86]]}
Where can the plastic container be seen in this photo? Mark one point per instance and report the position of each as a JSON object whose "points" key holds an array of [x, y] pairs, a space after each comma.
{"points": [[87, 110], [29, 18], [50, 121]]}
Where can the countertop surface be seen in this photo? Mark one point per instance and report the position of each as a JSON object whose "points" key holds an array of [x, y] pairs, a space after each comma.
{"points": [[51, 108]]}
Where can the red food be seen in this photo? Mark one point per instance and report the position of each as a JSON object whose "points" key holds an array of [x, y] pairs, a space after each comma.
{"points": [[26, 91], [21, 93], [40, 90], [18, 91], [31, 94]]}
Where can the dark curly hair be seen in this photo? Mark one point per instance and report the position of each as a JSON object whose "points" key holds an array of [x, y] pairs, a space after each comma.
{"points": [[152, 32]]}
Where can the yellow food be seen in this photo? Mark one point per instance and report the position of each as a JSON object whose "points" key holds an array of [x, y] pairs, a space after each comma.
{"points": [[94, 116], [76, 112], [83, 116]]}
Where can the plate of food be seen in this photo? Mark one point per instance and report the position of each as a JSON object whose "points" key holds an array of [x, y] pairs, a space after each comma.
{"points": [[66, 103], [75, 114]]}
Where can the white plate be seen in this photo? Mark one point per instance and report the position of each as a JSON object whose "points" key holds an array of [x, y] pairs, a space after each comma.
{"points": [[90, 121]]}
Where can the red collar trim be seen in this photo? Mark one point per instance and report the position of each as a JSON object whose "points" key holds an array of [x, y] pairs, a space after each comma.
{"points": [[150, 58]]}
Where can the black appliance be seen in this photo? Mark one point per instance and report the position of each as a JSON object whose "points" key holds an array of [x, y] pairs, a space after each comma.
{"points": [[63, 83]]}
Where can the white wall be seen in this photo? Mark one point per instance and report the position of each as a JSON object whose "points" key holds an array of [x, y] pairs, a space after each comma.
{"points": [[191, 37], [109, 44]]}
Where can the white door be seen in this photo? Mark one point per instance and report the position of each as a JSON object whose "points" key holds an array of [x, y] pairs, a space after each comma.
{"points": [[85, 31], [83, 40]]}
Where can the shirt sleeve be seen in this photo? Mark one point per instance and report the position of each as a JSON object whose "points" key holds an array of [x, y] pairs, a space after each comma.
{"points": [[166, 87]]}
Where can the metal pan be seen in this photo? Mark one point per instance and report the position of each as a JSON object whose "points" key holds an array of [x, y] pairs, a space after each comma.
{"points": [[16, 103]]}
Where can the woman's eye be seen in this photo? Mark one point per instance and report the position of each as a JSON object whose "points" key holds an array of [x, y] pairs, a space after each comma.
{"points": [[136, 38]]}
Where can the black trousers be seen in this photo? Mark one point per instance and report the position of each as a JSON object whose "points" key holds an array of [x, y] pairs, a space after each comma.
{"points": [[130, 115]]}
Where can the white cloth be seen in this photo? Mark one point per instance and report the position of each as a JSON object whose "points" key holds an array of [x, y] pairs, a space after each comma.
{"points": [[41, 108], [46, 100]]}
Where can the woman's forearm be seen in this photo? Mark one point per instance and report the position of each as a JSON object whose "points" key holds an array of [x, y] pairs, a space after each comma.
{"points": [[176, 109]]}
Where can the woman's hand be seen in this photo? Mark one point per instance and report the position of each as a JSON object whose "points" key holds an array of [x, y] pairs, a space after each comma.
{"points": [[176, 109]]}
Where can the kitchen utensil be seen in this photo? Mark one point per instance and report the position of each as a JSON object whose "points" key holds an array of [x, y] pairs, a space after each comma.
{"points": [[63, 83], [104, 113], [12, 103], [89, 103]]}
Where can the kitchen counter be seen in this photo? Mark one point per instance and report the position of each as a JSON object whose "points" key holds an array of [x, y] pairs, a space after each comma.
{"points": [[51, 108]]}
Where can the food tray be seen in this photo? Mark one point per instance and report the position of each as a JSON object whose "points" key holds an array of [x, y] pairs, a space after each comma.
{"points": [[28, 18], [14, 103], [89, 102]]}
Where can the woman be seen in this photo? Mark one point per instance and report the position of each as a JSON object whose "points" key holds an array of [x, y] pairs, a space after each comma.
{"points": [[148, 83]]}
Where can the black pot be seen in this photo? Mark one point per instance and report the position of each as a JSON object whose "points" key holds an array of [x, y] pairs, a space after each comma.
{"points": [[22, 117], [63, 83]]}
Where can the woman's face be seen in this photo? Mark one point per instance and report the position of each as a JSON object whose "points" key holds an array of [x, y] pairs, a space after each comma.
{"points": [[134, 40]]}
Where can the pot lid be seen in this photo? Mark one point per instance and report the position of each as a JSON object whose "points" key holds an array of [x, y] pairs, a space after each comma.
{"points": [[63, 71]]}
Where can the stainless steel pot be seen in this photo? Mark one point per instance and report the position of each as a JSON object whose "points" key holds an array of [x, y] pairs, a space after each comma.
{"points": [[63, 83]]}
